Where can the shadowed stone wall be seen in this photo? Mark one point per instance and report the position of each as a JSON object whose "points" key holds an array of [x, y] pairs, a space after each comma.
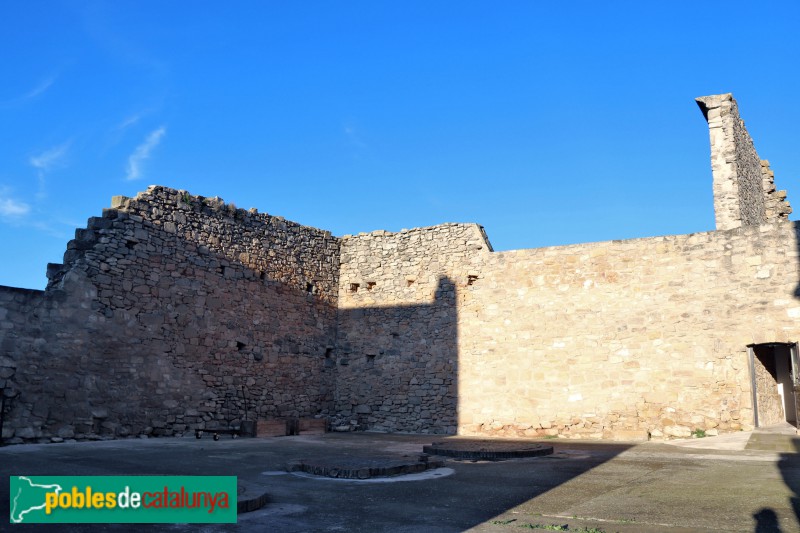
{"points": [[770, 404], [603, 340], [164, 310], [397, 343]]}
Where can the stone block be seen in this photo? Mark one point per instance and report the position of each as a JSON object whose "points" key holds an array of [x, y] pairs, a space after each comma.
{"points": [[313, 426], [629, 435], [681, 432], [271, 428], [24, 433]]}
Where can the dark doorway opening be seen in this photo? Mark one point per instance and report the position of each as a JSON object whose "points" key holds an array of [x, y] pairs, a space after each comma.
{"points": [[774, 380]]}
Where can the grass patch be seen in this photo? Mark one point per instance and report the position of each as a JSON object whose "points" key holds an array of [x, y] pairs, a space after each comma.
{"points": [[565, 527]]}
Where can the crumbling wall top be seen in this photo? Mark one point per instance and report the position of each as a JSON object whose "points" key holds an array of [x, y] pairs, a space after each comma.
{"points": [[744, 188]]}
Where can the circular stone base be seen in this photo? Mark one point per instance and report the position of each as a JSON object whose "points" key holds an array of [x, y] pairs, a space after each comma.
{"points": [[487, 449], [249, 498], [364, 468]]}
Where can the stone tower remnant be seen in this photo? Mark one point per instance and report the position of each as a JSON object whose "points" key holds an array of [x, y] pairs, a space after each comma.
{"points": [[744, 185]]}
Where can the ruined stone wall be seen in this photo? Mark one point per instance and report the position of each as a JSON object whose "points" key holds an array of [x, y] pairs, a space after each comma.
{"points": [[770, 404], [16, 318], [744, 190], [775, 203], [164, 310], [173, 312], [610, 338], [604, 340], [397, 340]]}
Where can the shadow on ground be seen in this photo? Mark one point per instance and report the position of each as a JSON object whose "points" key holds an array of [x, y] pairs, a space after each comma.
{"points": [[789, 465], [475, 493]]}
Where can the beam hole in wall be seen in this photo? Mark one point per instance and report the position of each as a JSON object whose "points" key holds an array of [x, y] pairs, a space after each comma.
{"points": [[471, 279], [370, 285], [130, 244], [409, 282], [240, 345], [354, 287]]}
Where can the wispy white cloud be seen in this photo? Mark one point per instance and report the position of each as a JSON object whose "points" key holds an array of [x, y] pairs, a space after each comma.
{"points": [[11, 208], [50, 158], [142, 153], [37, 90], [40, 89], [47, 161], [57, 228], [128, 122]]}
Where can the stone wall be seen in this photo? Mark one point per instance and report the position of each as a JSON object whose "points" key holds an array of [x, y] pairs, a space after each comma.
{"points": [[601, 340], [744, 191], [397, 344], [775, 203], [770, 403], [17, 307], [646, 335], [173, 312]]}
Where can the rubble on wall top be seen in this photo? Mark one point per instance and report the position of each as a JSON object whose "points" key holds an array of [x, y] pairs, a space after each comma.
{"points": [[185, 201], [437, 227]]}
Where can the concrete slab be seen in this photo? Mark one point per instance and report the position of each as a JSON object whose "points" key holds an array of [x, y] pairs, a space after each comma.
{"points": [[607, 486], [732, 441], [774, 442]]}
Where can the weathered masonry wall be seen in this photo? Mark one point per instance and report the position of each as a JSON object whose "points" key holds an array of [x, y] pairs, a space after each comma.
{"points": [[602, 340], [173, 312], [598, 340], [165, 309], [744, 189], [770, 404], [397, 344]]}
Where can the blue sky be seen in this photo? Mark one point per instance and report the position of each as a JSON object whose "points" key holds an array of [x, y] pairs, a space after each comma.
{"points": [[548, 123]]}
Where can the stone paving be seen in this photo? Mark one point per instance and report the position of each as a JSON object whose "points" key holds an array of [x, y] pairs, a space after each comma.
{"points": [[608, 486], [365, 467], [487, 449]]}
